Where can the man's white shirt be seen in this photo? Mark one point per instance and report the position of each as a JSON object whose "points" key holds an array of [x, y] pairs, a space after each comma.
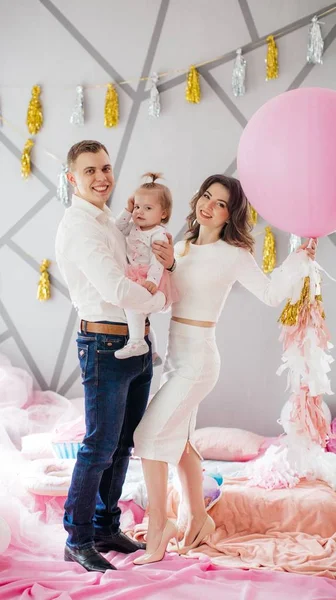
{"points": [[91, 256]]}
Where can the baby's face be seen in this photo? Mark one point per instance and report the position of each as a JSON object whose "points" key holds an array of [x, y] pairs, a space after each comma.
{"points": [[148, 211]]}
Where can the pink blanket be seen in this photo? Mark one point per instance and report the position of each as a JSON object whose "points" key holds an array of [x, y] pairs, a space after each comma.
{"points": [[291, 530], [33, 567]]}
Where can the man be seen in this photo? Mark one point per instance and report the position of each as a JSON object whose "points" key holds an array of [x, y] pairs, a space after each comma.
{"points": [[91, 255]]}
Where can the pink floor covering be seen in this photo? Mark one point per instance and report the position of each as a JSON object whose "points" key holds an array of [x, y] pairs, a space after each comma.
{"points": [[43, 575], [33, 568]]}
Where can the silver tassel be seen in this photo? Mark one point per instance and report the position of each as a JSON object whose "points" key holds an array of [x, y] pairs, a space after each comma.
{"points": [[238, 75], [154, 107], [315, 42], [63, 188], [1, 121], [294, 242], [77, 117]]}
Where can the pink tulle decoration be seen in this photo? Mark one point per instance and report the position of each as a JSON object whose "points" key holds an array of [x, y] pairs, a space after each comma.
{"points": [[138, 273]]}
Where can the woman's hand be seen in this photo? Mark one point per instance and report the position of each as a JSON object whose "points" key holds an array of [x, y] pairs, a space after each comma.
{"points": [[310, 248], [164, 252]]}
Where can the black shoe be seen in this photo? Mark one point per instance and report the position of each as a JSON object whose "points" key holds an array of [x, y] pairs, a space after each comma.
{"points": [[119, 542], [89, 558]]}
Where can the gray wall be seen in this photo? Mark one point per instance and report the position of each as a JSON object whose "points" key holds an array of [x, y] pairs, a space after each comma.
{"points": [[61, 44]]}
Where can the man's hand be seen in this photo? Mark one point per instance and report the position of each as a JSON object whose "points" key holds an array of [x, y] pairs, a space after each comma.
{"points": [[164, 252], [150, 287], [130, 204]]}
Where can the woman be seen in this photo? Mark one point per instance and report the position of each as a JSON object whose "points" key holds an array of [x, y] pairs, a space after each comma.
{"points": [[216, 253]]}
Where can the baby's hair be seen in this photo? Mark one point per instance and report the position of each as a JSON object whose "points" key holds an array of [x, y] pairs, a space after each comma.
{"points": [[164, 193]]}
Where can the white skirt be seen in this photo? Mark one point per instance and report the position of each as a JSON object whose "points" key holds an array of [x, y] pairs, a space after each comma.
{"points": [[190, 372]]}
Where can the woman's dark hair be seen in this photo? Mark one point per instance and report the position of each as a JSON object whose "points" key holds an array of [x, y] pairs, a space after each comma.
{"points": [[237, 231]]}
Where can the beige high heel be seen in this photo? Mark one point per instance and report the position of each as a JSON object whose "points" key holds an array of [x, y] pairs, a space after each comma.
{"points": [[170, 531], [207, 528]]}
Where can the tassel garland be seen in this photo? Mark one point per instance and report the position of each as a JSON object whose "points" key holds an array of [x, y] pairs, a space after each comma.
{"points": [[111, 113], [269, 251], [272, 67], [193, 89], [77, 117], [253, 216], [43, 290], [63, 188], [25, 159], [34, 113], [154, 107], [238, 75], [315, 43]]}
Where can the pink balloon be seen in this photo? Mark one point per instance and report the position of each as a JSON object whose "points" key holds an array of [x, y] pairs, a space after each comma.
{"points": [[286, 161]]}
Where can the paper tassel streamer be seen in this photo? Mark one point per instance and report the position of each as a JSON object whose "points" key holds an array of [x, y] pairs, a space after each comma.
{"points": [[253, 216], [25, 159], [272, 67], [306, 343], [154, 107], [63, 188], [238, 75], [111, 107], [34, 113], [43, 290], [294, 243], [1, 121], [315, 43], [305, 338], [193, 89], [269, 251], [77, 117]]}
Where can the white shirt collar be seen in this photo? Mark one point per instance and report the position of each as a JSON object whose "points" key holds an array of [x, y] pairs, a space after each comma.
{"points": [[93, 210]]}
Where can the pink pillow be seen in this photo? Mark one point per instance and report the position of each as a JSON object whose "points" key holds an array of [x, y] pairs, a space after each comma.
{"points": [[224, 443]]}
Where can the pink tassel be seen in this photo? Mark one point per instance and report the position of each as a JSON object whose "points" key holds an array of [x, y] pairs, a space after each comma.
{"points": [[297, 333], [308, 415]]}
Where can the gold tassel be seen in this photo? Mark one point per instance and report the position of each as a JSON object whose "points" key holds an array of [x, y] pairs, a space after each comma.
{"points": [[269, 251], [25, 158], [320, 305], [272, 67], [43, 290], [193, 89], [290, 313], [111, 112], [253, 215], [34, 113]]}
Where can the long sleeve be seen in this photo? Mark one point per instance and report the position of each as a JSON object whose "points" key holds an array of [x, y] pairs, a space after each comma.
{"points": [[279, 285], [91, 254], [155, 270], [124, 223]]}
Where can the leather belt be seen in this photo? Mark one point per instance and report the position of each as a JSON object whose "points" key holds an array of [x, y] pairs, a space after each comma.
{"points": [[107, 328]]}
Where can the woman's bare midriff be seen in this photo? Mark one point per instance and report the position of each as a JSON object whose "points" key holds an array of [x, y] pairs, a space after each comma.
{"points": [[194, 323]]}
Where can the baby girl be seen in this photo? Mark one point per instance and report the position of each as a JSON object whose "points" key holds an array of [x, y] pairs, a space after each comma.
{"points": [[142, 222]]}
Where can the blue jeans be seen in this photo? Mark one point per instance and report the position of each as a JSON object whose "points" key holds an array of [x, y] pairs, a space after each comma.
{"points": [[116, 396]]}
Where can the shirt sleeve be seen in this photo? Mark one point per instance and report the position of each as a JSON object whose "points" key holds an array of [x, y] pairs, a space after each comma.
{"points": [[276, 288], [124, 223], [90, 252], [155, 270]]}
